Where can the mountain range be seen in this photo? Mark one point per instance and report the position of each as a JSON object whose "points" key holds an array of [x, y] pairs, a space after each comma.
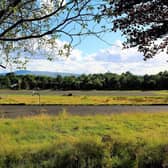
{"points": [[42, 73]]}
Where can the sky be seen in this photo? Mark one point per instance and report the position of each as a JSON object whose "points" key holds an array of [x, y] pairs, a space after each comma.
{"points": [[94, 56]]}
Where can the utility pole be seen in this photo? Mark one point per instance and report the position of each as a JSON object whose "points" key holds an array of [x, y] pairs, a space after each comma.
{"points": [[37, 94]]}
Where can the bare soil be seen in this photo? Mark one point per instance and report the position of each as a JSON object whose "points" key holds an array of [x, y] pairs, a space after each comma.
{"points": [[14, 111]]}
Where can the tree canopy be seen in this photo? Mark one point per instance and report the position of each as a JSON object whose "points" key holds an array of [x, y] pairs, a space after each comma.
{"points": [[143, 22], [32, 25], [106, 81], [28, 25]]}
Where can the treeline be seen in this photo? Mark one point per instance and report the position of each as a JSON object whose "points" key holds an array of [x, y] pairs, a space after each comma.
{"points": [[106, 81]]}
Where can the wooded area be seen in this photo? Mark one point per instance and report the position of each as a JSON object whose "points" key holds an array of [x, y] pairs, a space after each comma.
{"points": [[107, 81]]}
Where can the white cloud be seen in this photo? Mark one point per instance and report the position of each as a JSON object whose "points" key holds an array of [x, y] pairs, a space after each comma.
{"points": [[49, 4], [112, 59]]}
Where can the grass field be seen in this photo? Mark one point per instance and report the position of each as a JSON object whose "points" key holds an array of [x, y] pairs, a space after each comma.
{"points": [[127, 140], [85, 97], [119, 141], [82, 100], [151, 128], [88, 93]]}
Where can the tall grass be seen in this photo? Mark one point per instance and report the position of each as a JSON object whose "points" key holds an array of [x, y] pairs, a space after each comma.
{"points": [[125, 140]]}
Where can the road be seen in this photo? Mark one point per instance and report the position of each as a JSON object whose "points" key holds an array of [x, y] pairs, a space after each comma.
{"points": [[13, 111]]}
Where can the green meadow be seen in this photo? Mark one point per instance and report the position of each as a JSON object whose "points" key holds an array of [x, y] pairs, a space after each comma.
{"points": [[84, 97], [125, 140], [128, 140], [83, 100]]}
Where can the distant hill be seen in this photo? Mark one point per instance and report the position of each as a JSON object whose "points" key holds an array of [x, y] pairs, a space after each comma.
{"points": [[42, 73]]}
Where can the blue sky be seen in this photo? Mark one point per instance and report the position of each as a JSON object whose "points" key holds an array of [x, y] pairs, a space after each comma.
{"points": [[94, 56], [92, 44]]}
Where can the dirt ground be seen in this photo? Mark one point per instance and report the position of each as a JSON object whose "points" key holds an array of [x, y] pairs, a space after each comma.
{"points": [[13, 111]]}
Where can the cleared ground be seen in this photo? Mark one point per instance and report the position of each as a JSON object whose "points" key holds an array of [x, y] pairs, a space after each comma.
{"points": [[10, 111]]}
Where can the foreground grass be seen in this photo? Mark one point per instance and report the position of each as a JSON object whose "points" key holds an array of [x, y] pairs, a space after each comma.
{"points": [[82, 100], [64, 141]]}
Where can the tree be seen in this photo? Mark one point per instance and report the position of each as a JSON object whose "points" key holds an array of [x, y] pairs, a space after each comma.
{"points": [[143, 22], [111, 81], [30, 25]]}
